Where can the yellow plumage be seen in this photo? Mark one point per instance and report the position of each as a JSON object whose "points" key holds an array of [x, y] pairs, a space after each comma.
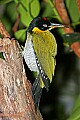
{"points": [[46, 49], [39, 54]]}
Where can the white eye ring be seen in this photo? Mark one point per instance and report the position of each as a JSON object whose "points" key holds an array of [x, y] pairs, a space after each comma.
{"points": [[44, 25]]}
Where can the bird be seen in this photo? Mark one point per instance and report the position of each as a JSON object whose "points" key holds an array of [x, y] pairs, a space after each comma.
{"points": [[39, 54]]}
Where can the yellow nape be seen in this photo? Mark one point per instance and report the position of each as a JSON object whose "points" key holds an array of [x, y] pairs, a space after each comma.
{"points": [[37, 30]]}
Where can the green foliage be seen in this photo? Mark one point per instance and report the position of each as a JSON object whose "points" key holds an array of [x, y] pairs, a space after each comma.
{"points": [[73, 10], [75, 114], [28, 10], [9, 16], [21, 34], [70, 38], [48, 11], [74, 14], [11, 11], [34, 10], [5, 1], [25, 16]]}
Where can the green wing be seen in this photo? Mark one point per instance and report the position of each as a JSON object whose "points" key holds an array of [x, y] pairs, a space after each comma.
{"points": [[45, 47]]}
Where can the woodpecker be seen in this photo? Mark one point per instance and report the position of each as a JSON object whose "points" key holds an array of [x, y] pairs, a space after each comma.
{"points": [[39, 54]]}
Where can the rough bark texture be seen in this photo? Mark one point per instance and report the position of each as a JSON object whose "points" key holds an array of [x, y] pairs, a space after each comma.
{"points": [[15, 90]]}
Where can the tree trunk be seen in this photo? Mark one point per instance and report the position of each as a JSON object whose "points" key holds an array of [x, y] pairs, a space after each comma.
{"points": [[16, 101]]}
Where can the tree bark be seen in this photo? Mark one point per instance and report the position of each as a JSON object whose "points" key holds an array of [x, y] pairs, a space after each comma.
{"points": [[16, 101]]}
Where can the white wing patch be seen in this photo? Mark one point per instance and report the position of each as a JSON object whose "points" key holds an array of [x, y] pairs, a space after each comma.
{"points": [[29, 55]]}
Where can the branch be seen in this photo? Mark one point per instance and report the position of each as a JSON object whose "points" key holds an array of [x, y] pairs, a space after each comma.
{"points": [[78, 3], [15, 90], [15, 27], [60, 6], [3, 31]]}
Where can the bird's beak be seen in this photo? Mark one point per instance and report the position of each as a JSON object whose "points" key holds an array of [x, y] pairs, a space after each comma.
{"points": [[54, 25]]}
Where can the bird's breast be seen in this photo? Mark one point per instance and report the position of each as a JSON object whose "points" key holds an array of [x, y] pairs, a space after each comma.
{"points": [[29, 55]]}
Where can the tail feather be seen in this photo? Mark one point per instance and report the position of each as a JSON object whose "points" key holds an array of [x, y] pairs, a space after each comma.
{"points": [[35, 84], [36, 91]]}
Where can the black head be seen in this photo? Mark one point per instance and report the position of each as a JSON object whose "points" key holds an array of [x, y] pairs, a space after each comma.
{"points": [[41, 23]]}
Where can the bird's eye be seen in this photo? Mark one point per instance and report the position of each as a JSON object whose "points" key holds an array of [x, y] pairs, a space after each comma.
{"points": [[44, 25]]}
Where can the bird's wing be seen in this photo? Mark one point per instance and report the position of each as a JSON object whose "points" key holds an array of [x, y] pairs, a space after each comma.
{"points": [[45, 46]]}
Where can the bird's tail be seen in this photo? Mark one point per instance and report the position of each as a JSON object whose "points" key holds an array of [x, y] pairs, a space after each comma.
{"points": [[36, 91]]}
